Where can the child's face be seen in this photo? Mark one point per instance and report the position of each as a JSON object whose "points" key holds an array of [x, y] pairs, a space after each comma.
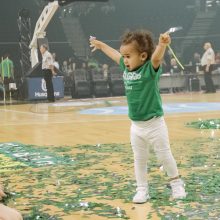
{"points": [[132, 57]]}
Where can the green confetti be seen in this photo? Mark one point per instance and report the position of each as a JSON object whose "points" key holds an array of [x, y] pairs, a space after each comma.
{"points": [[79, 176], [205, 124]]}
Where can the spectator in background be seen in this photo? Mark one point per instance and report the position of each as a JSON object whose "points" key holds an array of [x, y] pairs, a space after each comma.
{"points": [[56, 65], [174, 68], [71, 65], [207, 61], [196, 58], [84, 65], [166, 61], [105, 71], [7, 72], [54, 55], [65, 68], [217, 58], [93, 64]]}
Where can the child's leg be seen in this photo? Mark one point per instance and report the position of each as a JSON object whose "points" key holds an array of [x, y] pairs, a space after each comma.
{"points": [[140, 151], [160, 141]]}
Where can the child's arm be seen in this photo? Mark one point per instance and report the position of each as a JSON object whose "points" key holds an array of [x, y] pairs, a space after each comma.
{"points": [[109, 51], [157, 56]]}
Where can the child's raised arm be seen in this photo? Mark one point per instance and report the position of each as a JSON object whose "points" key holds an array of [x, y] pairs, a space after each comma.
{"points": [[159, 52], [109, 51]]}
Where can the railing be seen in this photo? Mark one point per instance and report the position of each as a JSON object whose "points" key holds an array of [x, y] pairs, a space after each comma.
{"points": [[168, 81]]}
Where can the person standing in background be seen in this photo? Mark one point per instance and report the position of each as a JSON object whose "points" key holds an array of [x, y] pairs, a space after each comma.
{"points": [[174, 68], [7, 72], [48, 71], [207, 61], [56, 65]]}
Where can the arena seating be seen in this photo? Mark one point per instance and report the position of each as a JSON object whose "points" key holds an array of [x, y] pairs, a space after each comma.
{"points": [[81, 86], [68, 84], [115, 81], [99, 84]]}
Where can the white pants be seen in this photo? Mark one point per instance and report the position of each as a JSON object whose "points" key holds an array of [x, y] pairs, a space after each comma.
{"points": [[151, 133]]}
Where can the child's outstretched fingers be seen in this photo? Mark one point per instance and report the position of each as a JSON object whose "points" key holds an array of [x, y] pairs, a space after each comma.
{"points": [[92, 46], [92, 43], [92, 38], [95, 44]]}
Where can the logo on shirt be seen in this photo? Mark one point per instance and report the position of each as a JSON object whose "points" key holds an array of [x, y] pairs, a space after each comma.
{"points": [[131, 76]]}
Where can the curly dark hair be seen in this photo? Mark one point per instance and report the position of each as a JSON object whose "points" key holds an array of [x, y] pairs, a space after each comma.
{"points": [[143, 39]]}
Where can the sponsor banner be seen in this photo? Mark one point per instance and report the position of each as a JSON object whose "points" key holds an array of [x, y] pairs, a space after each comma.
{"points": [[37, 88]]}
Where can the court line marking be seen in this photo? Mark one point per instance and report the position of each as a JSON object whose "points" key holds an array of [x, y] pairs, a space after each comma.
{"points": [[167, 116], [63, 122], [20, 112]]}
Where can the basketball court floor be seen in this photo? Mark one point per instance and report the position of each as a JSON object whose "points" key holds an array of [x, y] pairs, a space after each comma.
{"points": [[72, 159]]}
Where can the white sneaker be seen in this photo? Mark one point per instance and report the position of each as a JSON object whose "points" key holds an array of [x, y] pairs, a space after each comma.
{"points": [[178, 190], [141, 195]]}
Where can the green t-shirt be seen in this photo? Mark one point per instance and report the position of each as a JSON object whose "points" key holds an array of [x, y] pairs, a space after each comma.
{"points": [[6, 68], [142, 91]]}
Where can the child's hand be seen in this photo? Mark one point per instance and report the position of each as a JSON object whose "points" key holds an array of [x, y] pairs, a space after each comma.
{"points": [[94, 44], [2, 194], [8, 213], [164, 39]]}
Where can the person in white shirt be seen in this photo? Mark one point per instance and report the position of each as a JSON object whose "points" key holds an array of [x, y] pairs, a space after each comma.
{"points": [[207, 61], [48, 71], [55, 64]]}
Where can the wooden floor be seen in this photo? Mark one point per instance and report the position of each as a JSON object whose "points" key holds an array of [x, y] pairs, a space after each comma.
{"points": [[48, 124], [56, 125]]}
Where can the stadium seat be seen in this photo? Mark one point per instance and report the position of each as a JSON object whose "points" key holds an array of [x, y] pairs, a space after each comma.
{"points": [[81, 84], [116, 81], [100, 85]]}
